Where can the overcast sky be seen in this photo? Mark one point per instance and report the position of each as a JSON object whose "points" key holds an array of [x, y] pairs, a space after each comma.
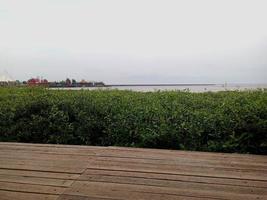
{"points": [[135, 41]]}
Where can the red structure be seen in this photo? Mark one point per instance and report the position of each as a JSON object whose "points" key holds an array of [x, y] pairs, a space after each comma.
{"points": [[37, 81]]}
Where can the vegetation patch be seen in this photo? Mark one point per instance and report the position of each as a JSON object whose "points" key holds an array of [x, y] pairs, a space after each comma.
{"points": [[221, 122]]}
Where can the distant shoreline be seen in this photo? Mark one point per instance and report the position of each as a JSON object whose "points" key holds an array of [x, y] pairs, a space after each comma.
{"points": [[168, 84], [137, 85]]}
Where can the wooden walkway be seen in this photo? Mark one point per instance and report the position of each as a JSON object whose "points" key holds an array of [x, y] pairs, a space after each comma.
{"points": [[64, 172]]}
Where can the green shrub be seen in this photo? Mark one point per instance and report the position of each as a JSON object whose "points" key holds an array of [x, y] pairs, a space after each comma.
{"points": [[223, 121]]}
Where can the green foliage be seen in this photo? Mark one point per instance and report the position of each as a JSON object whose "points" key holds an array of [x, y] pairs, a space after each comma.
{"points": [[222, 121]]}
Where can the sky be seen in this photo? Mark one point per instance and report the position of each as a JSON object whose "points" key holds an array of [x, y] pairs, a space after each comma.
{"points": [[140, 41]]}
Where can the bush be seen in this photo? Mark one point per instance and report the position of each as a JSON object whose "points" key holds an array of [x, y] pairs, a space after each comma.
{"points": [[222, 122]]}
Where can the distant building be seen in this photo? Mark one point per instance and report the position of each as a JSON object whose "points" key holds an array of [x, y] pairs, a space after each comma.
{"points": [[37, 82], [83, 83], [33, 81]]}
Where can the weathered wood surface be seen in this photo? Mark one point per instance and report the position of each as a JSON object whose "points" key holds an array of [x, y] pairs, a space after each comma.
{"points": [[65, 172]]}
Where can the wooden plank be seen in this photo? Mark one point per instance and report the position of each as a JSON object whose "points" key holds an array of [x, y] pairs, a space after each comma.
{"points": [[39, 174], [178, 169], [169, 155], [128, 150], [174, 184], [63, 151], [35, 180], [147, 156], [58, 160], [131, 196], [130, 191], [192, 162], [173, 177], [136, 152], [41, 155], [62, 169], [78, 197], [51, 145], [31, 188], [10, 195], [50, 163], [89, 150]]}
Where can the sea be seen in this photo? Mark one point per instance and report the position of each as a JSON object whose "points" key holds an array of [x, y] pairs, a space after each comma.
{"points": [[182, 87]]}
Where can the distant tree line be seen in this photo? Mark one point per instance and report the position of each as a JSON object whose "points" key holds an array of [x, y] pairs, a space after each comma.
{"points": [[64, 83], [73, 83]]}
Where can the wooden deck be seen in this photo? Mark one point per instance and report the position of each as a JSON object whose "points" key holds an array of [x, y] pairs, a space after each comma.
{"points": [[64, 172]]}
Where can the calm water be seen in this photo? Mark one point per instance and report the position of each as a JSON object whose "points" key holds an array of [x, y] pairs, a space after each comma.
{"points": [[198, 88]]}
